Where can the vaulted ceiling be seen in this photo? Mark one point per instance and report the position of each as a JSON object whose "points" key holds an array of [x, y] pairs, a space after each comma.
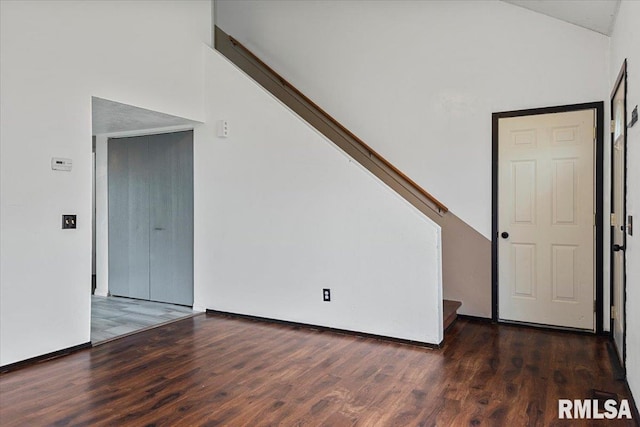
{"points": [[595, 15]]}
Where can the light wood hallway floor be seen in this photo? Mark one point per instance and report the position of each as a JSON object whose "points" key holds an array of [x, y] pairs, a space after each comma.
{"points": [[214, 370], [112, 317]]}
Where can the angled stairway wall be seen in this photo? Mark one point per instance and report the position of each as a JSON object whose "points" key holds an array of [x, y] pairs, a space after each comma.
{"points": [[466, 253], [281, 214]]}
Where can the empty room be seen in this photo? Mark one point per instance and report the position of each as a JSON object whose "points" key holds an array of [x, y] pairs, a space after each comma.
{"points": [[319, 212]]}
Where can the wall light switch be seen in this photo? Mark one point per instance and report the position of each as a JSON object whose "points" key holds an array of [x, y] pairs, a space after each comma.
{"points": [[223, 128], [68, 221]]}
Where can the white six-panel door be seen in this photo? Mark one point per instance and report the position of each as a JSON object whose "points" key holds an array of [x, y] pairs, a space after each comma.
{"points": [[546, 219]]}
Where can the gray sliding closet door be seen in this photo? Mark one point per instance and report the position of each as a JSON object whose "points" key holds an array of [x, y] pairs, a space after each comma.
{"points": [[128, 172], [171, 217], [151, 217]]}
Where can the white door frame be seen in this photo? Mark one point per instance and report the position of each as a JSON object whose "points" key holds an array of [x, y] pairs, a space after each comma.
{"points": [[598, 200], [620, 80]]}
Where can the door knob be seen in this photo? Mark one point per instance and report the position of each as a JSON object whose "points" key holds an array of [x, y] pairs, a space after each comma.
{"points": [[504, 235], [617, 247]]}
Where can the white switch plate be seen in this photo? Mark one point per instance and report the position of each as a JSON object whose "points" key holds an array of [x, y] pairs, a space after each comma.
{"points": [[60, 164], [223, 128]]}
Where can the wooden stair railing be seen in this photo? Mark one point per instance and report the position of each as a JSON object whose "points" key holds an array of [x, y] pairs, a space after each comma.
{"points": [[327, 125]]}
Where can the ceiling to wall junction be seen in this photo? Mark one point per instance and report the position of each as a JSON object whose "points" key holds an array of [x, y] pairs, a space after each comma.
{"points": [[595, 15]]}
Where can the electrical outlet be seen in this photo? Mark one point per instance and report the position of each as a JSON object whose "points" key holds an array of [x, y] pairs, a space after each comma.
{"points": [[326, 294], [68, 221]]}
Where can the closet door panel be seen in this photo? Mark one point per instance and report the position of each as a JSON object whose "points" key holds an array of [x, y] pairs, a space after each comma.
{"points": [[128, 193], [171, 218]]}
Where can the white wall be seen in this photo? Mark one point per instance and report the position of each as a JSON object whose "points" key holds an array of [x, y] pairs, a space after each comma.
{"points": [[102, 217], [57, 55], [281, 213], [625, 43], [253, 256], [418, 80], [54, 57]]}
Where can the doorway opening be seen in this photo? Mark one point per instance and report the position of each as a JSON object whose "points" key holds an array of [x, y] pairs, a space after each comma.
{"points": [[547, 238], [116, 312], [618, 219]]}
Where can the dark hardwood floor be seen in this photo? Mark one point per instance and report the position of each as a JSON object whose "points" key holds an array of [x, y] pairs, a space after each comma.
{"points": [[215, 370]]}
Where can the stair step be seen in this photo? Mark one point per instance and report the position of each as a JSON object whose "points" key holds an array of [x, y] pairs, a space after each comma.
{"points": [[449, 312]]}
